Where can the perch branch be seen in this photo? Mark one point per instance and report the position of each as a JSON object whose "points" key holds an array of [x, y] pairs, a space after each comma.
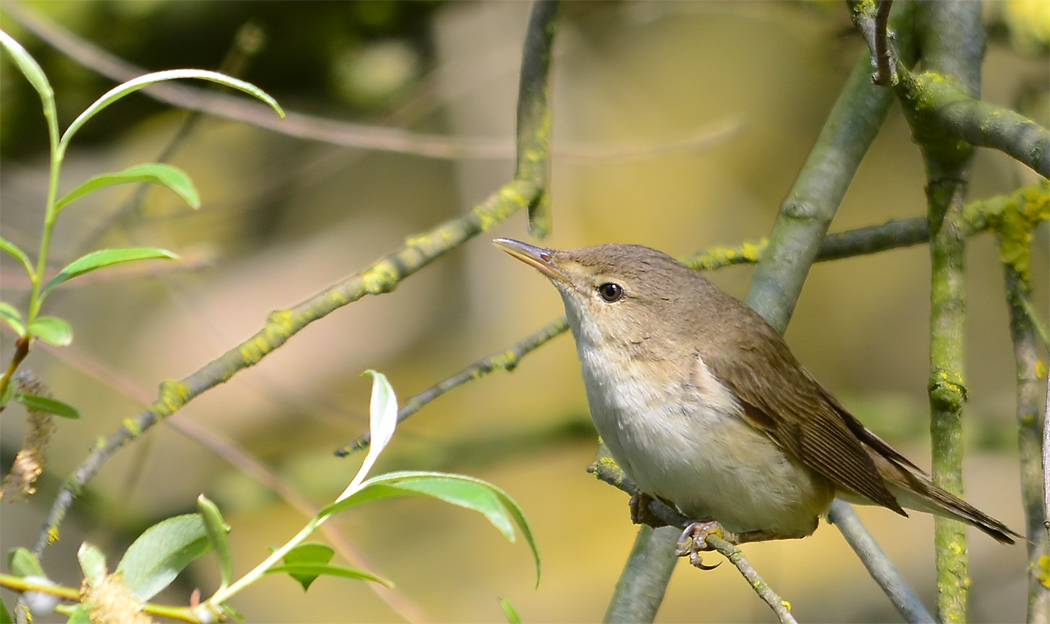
{"points": [[607, 471]]}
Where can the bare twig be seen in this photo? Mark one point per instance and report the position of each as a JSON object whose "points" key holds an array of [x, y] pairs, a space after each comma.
{"points": [[878, 564]]}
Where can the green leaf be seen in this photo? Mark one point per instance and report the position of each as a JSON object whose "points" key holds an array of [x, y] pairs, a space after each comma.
{"points": [[308, 553], [134, 85], [152, 173], [92, 562], [153, 560], [48, 404], [485, 498], [511, 613], [31, 70], [104, 258], [217, 537], [79, 615], [5, 615], [52, 330], [313, 570], [23, 563], [10, 315], [14, 250]]}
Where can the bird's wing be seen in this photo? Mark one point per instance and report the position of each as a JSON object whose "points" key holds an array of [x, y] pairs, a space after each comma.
{"points": [[781, 399]]}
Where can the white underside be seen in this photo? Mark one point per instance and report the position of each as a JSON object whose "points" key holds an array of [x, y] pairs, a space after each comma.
{"points": [[688, 443]]}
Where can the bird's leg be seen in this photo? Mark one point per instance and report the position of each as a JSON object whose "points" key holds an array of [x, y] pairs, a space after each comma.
{"points": [[694, 540], [640, 513]]}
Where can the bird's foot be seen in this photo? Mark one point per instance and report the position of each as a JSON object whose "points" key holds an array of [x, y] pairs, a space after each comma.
{"points": [[640, 513], [694, 540]]}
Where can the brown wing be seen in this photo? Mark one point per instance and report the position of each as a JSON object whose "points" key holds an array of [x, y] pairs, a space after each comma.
{"points": [[786, 403]]}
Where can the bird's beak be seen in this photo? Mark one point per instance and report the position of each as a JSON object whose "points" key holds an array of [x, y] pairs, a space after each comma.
{"points": [[537, 257]]}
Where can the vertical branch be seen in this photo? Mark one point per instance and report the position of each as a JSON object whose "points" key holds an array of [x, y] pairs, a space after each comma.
{"points": [[644, 579], [1014, 225], [951, 39], [534, 112], [1029, 393]]}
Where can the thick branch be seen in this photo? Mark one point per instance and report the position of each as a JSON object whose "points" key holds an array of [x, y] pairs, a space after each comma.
{"points": [[952, 42]]}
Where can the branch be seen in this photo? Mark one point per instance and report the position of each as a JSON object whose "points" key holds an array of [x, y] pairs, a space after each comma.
{"points": [[606, 470], [639, 592], [952, 41], [380, 277], [951, 109], [811, 204], [339, 132], [1014, 235], [878, 564]]}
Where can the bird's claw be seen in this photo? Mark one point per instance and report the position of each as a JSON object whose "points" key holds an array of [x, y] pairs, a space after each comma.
{"points": [[640, 513], [694, 540]]}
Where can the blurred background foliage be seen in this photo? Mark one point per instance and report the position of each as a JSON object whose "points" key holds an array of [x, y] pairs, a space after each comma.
{"points": [[283, 217]]}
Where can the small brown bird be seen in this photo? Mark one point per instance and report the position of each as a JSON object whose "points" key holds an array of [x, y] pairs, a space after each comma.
{"points": [[704, 407]]}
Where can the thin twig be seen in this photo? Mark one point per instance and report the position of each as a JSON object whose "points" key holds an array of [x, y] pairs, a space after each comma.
{"points": [[610, 473], [879, 566], [344, 133], [1026, 356]]}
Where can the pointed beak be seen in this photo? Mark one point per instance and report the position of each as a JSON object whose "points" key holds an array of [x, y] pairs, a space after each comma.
{"points": [[536, 257]]}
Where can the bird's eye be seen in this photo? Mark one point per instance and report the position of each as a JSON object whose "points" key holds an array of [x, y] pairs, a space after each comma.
{"points": [[610, 292]]}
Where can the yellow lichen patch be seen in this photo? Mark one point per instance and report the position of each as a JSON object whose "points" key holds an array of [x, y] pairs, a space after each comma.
{"points": [[787, 605], [132, 426], [53, 535], [1043, 570], [506, 360], [173, 395], [1040, 369], [380, 278]]}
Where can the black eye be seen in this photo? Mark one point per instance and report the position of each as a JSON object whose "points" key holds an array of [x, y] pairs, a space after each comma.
{"points": [[610, 292]]}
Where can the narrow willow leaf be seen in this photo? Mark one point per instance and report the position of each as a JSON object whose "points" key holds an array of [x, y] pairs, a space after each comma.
{"points": [[314, 570], [499, 508], [52, 330], [382, 421], [5, 615], [509, 611], [152, 173], [48, 404], [31, 70], [153, 560], [10, 315], [135, 84], [217, 537], [308, 553], [15, 251], [104, 258], [92, 563], [23, 563]]}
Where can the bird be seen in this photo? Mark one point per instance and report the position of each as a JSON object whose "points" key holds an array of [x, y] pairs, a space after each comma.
{"points": [[702, 404]]}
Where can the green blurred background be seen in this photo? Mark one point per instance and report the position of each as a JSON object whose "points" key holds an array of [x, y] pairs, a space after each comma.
{"points": [[284, 217]]}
